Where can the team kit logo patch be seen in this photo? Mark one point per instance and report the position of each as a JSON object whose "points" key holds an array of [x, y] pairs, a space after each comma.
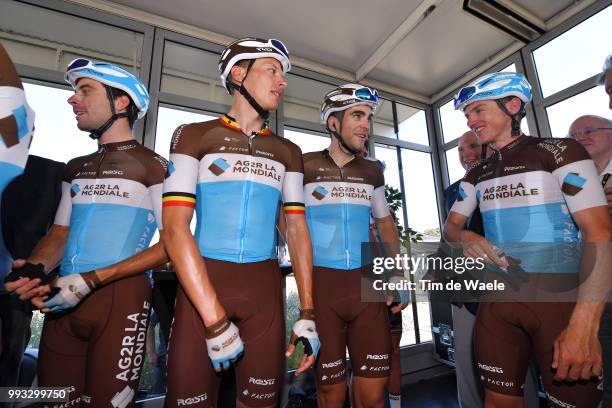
{"points": [[170, 168], [572, 184], [74, 190], [461, 195], [219, 166], [320, 192]]}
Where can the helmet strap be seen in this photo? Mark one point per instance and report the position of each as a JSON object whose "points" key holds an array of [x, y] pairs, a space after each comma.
{"points": [[483, 153], [97, 133], [343, 145], [264, 114], [516, 118]]}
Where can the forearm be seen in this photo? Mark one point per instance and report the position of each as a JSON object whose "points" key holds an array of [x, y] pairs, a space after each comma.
{"points": [[595, 281], [454, 227], [192, 275], [452, 233], [50, 248], [143, 261], [300, 249]]}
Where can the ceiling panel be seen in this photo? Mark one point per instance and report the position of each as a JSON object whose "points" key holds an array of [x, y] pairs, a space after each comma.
{"points": [[342, 34], [544, 9], [441, 49], [339, 33]]}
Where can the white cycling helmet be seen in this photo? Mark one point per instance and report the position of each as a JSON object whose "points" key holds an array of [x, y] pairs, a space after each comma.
{"points": [[346, 96], [248, 49], [110, 75], [494, 86]]}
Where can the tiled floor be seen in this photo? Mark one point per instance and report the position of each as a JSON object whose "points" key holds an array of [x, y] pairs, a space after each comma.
{"points": [[439, 392]]}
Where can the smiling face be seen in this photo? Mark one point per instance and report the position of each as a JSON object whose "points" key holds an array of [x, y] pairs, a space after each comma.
{"points": [[469, 150], [265, 81], [356, 125], [90, 104], [488, 121]]}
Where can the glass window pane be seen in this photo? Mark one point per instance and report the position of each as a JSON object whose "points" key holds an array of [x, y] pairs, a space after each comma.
{"points": [[303, 98], [49, 39], [454, 123], [455, 170], [424, 321], [421, 194], [56, 135], [574, 55], [561, 115], [192, 72], [388, 155], [412, 124], [307, 142], [168, 119], [408, 336], [383, 120]]}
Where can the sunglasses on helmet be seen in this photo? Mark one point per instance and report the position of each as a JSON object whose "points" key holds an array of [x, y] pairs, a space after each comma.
{"points": [[464, 95], [280, 46]]}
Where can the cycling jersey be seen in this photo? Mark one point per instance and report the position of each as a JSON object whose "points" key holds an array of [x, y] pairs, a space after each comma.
{"points": [[111, 200], [16, 122], [16, 127], [235, 183], [526, 193], [339, 202]]}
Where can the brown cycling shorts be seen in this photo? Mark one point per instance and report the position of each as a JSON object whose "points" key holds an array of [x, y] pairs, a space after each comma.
{"points": [[251, 294], [509, 334], [343, 320], [97, 349]]}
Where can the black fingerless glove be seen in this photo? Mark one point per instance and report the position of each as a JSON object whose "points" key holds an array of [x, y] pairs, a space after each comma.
{"points": [[30, 271]]}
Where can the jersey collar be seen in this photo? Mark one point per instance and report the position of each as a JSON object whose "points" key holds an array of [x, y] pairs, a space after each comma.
{"points": [[231, 123], [113, 147]]}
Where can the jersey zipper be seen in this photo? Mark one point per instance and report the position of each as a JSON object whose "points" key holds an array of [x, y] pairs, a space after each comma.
{"points": [[347, 253], [89, 212], [245, 207]]}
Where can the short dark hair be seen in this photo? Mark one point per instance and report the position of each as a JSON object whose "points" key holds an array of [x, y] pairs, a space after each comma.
{"points": [[132, 110]]}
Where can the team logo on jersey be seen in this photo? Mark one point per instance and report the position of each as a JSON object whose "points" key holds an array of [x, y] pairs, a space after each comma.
{"points": [[320, 192], [461, 195], [219, 166], [170, 169], [74, 190], [572, 184], [21, 117]]}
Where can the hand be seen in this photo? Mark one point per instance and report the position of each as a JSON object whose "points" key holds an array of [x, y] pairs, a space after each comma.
{"points": [[404, 294], [577, 353], [305, 332], [39, 302], [223, 343], [25, 278], [477, 246], [72, 289]]}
